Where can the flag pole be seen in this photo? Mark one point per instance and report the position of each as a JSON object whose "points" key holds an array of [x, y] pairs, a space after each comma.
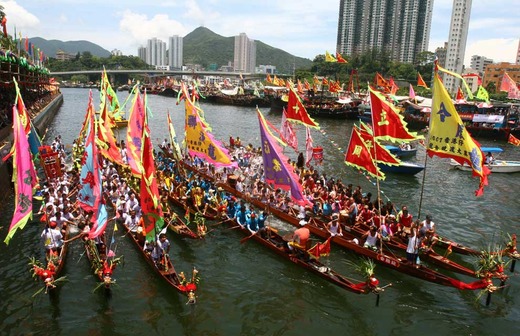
{"points": [[427, 141]]}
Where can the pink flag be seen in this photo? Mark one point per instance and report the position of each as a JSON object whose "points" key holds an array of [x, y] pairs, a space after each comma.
{"points": [[308, 147], [24, 176], [288, 134], [510, 87], [134, 135], [412, 92]]}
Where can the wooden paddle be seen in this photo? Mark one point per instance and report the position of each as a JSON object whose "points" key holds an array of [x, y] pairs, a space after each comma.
{"points": [[243, 240]]}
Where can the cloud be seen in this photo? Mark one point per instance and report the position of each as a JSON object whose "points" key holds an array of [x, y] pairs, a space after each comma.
{"points": [[19, 16], [499, 50], [141, 28]]}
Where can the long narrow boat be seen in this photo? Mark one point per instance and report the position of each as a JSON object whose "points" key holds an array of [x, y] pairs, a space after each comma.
{"points": [[348, 241], [179, 227], [278, 244], [168, 273], [53, 268], [101, 267]]}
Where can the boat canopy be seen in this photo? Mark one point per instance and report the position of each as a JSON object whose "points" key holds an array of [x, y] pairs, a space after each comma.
{"points": [[491, 149]]}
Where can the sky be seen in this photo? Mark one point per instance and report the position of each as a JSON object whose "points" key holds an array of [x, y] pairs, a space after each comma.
{"points": [[303, 28]]}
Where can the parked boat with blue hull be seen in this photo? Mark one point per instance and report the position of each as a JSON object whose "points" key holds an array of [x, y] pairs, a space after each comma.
{"points": [[407, 168]]}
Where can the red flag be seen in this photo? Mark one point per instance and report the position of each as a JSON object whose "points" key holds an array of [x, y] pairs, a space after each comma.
{"points": [[358, 156], [320, 249], [393, 87], [268, 79], [513, 140], [420, 81], [297, 112], [306, 84], [340, 58], [4, 25], [377, 151], [387, 122], [300, 87], [26, 43], [380, 81], [460, 95], [325, 81]]}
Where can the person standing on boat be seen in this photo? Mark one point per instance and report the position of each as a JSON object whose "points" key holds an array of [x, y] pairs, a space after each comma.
{"points": [[161, 250], [412, 250], [300, 162], [426, 231], [52, 239]]}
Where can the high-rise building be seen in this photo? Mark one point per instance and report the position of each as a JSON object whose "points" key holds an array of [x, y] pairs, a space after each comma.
{"points": [[175, 52], [399, 27], [479, 63], [440, 52], [141, 53], [457, 42], [155, 52], [244, 59]]}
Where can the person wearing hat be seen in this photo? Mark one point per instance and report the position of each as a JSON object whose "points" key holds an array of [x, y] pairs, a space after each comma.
{"points": [[426, 230], [334, 227], [52, 238]]}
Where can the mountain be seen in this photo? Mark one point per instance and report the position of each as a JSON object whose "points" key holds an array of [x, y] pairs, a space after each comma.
{"points": [[50, 47], [203, 46]]}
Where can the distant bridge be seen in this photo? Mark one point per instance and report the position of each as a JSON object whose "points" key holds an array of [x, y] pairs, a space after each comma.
{"points": [[157, 73]]}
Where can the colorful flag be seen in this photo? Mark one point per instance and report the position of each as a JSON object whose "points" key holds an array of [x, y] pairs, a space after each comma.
{"points": [[387, 122], [482, 94], [199, 140], [134, 135], [329, 57], [149, 196], [380, 81], [393, 87], [308, 146], [412, 92], [106, 139], [324, 81], [450, 139], [513, 140], [187, 216], [287, 133], [268, 79], [358, 156], [277, 171], [340, 58], [24, 176], [320, 249], [420, 81], [509, 85], [378, 152], [173, 139], [34, 139], [468, 90], [108, 93], [296, 111], [460, 97], [89, 179]]}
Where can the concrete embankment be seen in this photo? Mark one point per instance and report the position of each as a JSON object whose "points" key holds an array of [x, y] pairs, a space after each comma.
{"points": [[41, 121]]}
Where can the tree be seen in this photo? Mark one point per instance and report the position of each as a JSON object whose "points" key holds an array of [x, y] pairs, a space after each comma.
{"points": [[491, 87]]}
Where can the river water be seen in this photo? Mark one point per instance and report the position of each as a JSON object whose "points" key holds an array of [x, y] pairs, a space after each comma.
{"points": [[246, 289]]}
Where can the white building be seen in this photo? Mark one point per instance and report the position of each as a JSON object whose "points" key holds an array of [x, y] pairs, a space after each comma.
{"points": [[266, 69], [141, 53], [479, 63], [245, 54], [457, 42], [116, 52], [155, 52], [175, 55]]}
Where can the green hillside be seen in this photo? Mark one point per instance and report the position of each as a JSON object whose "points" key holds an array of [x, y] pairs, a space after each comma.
{"points": [[50, 47], [202, 46]]}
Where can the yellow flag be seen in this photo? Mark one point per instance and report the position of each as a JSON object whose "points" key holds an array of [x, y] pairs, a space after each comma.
{"points": [[329, 57], [115, 227], [482, 94]]}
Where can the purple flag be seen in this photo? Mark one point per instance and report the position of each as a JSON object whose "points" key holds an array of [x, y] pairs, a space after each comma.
{"points": [[276, 169]]}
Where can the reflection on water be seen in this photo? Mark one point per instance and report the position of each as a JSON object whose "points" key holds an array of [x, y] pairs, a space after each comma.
{"points": [[246, 289]]}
